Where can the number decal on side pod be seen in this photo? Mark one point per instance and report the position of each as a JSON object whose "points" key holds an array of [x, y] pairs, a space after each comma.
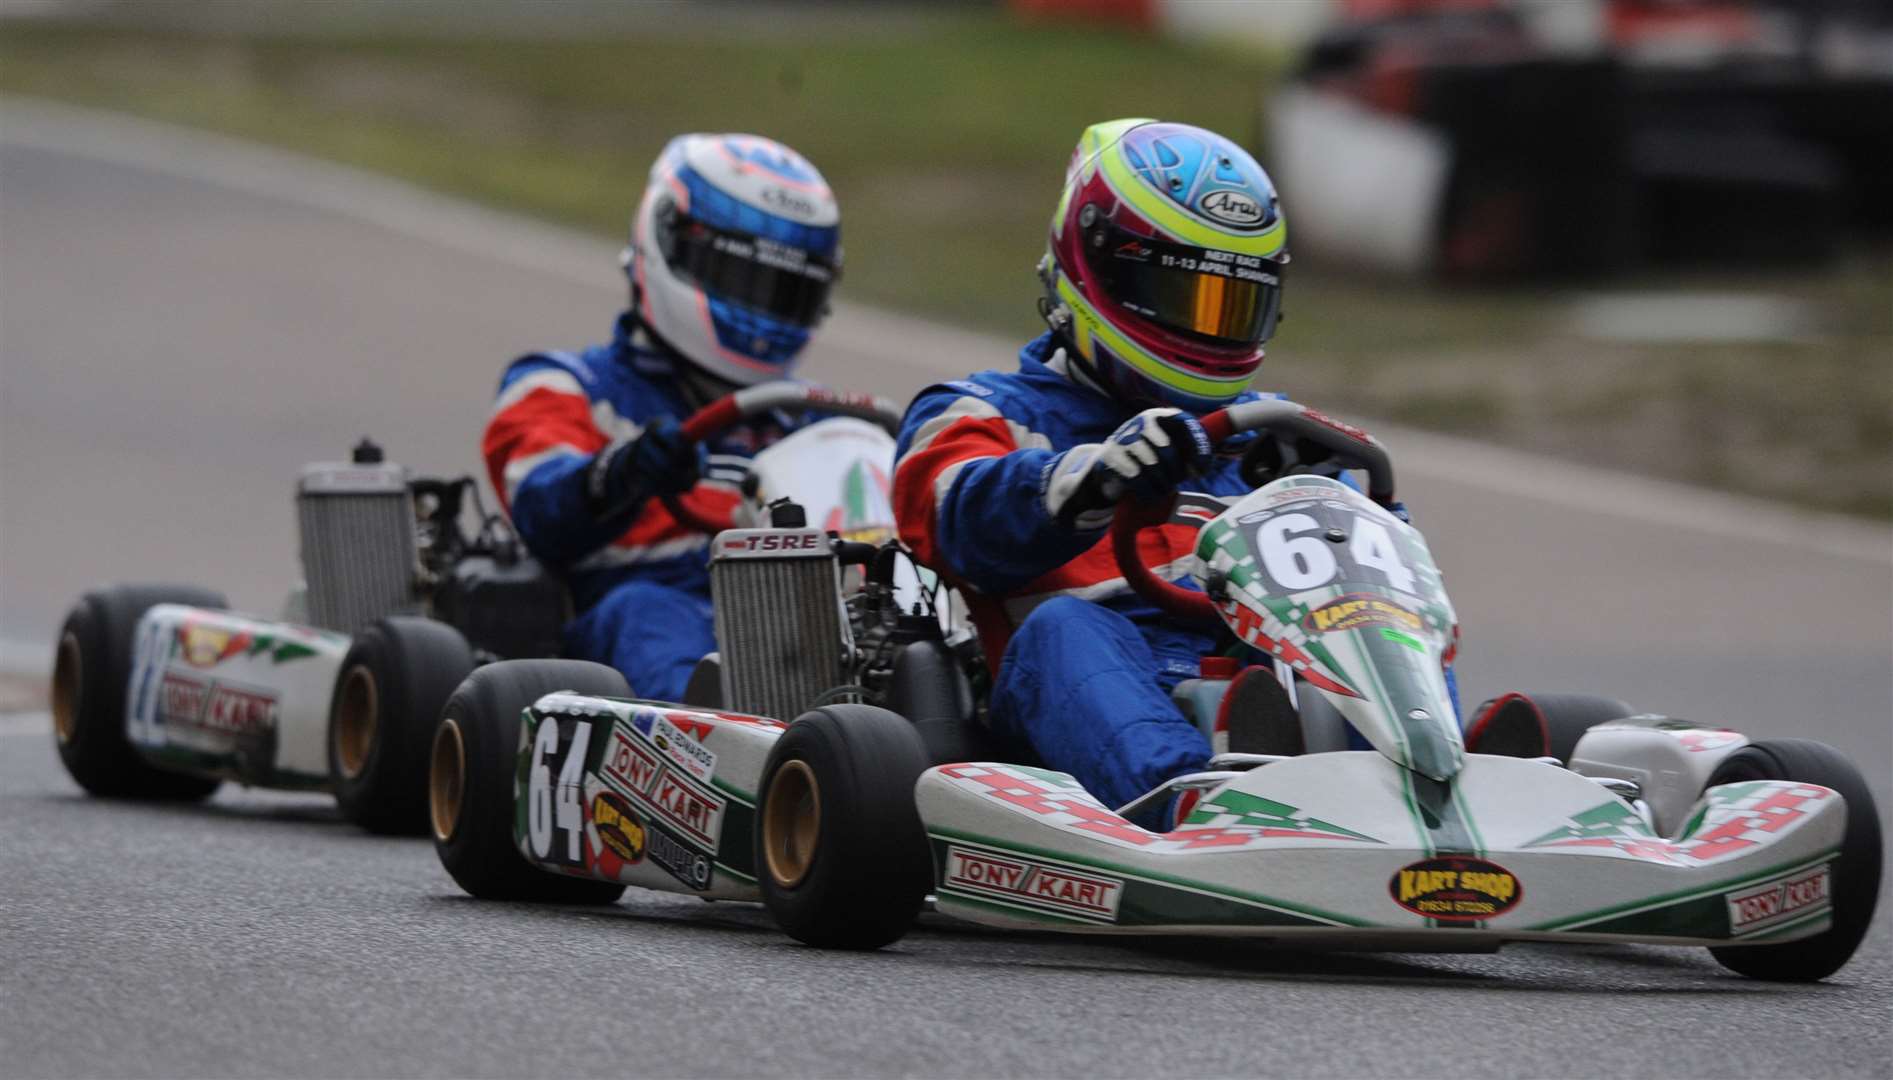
{"points": [[556, 808]]}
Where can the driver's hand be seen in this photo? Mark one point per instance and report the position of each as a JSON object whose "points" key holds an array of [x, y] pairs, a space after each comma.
{"points": [[1145, 458], [660, 461]]}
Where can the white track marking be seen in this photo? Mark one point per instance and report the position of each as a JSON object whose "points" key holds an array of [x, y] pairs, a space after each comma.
{"points": [[873, 335]]}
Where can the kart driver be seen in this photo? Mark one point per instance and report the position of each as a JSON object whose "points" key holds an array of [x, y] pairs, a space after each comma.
{"points": [[1162, 283], [734, 247]]}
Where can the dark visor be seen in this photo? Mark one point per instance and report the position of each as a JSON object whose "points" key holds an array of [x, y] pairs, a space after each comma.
{"points": [[775, 279], [1225, 297]]}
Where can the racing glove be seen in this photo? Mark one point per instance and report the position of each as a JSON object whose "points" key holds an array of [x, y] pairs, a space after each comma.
{"points": [[1145, 458], [659, 461]]}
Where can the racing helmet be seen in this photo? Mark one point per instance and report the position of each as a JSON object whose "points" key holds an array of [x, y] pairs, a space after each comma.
{"points": [[1164, 267], [734, 249]]}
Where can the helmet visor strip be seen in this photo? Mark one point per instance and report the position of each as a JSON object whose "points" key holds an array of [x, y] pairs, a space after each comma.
{"points": [[1220, 295], [776, 279]]}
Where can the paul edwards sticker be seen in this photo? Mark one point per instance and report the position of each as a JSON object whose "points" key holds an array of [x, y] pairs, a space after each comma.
{"points": [[1456, 888]]}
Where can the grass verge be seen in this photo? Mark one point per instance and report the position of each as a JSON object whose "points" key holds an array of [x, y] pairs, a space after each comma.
{"points": [[945, 136]]}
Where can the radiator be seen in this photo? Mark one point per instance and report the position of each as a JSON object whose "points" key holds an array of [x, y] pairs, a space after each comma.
{"points": [[359, 559], [780, 628]]}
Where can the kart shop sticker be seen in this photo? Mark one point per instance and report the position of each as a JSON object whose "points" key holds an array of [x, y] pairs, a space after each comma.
{"points": [[202, 645], [1455, 888], [1354, 610], [1034, 884], [618, 828], [1779, 901]]}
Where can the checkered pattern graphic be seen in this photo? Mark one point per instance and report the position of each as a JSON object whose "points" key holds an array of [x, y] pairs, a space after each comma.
{"points": [[1239, 809], [1231, 822], [1255, 617], [1698, 740], [1738, 819]]}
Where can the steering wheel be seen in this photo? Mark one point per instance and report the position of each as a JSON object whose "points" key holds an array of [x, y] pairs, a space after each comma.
{"points": [[1351, 447], [750, 402]]}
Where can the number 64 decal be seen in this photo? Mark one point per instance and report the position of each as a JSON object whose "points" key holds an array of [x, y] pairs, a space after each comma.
{"points": [[557, 807], [1297, 557]]}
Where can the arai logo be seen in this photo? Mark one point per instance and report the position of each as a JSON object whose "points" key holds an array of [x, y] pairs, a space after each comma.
{"points": [[788, 202], [1232, 207]]}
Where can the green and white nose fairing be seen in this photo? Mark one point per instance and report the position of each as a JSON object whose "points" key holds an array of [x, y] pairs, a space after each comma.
{"points": [[1317, 575]]}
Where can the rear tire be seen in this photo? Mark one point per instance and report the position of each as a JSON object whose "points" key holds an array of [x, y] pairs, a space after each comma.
{"points": [[398, 674], [91, 670], [841, 856], [1856, 873], [1499, 726], [472, 764]]}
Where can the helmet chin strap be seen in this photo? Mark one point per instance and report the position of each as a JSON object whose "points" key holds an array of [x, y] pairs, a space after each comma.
{"points": [[699, 386]]}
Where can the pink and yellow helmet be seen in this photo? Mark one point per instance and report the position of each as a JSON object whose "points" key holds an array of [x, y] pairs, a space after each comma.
{"points": [[1164, 268]]}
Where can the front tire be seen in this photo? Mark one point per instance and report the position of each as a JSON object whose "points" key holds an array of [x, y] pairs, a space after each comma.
{"points": [[396, 678], [841, 856], [91, 670], [472, 765], [1856, 873]]}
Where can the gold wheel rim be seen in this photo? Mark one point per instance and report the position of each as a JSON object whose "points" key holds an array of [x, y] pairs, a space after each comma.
{"points": [[68, 676], [791, 823], [446, 779], [357, 715]]}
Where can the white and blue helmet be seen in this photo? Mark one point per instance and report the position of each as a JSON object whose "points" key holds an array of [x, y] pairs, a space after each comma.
{"points": [[733, 252]]}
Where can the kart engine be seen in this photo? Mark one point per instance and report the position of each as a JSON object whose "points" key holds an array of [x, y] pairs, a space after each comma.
{"points": [[360, 558]]}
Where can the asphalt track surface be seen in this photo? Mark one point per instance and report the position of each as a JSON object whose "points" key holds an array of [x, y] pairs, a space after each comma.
{"points": [[184, 323]]}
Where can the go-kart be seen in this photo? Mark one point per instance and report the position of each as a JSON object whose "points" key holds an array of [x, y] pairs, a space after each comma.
{"points": [[160, 692], [1554, 818]]}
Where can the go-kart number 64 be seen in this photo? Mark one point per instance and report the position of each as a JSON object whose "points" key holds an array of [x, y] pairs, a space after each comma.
{"points": [[1297, 557], [547, 809]]}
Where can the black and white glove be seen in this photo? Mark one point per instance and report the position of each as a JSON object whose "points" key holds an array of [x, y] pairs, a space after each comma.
{"points": [[659, 461], [1145, 458]]}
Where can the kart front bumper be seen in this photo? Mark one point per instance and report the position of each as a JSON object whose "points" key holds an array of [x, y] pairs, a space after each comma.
{"points": [[1334, 850]]}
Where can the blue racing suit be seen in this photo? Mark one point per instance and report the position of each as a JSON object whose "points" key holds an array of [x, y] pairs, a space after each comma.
{"points": [[642, 593], [1085, 666]]}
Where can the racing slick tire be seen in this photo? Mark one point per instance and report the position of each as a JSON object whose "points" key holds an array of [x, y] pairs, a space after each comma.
{"points": [[1855, 883], [471, 767], [1509, 724], [398, 674], [841, 856], [91, 670]]}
